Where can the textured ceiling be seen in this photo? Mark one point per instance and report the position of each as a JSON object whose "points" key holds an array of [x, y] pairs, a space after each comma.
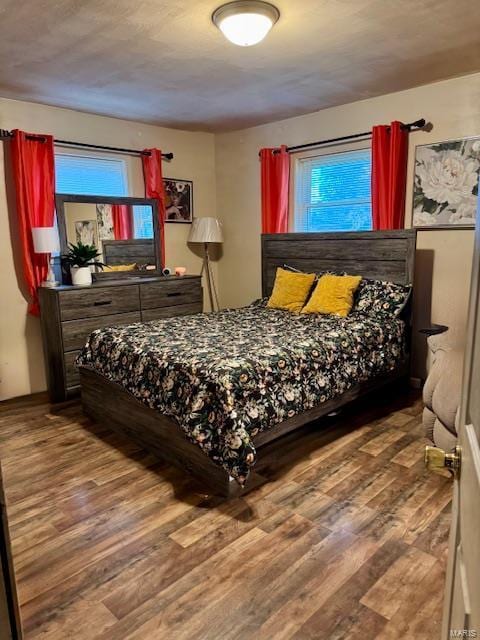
{"points": [[165, 63]]}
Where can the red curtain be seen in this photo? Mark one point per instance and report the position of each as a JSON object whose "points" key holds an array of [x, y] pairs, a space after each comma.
{"points": [[275, 180], [389, 175], [152, 175], [122, 216], [34, 181]]}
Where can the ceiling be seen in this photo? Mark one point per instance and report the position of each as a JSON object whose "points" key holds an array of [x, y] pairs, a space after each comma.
{"points": [[164, 62]]}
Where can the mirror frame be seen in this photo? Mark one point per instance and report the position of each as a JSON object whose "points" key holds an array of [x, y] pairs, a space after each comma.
{"points": [[61, 199]]}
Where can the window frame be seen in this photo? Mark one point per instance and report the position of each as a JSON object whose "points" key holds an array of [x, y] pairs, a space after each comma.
{"points": [[120, 159], [296, 173]]}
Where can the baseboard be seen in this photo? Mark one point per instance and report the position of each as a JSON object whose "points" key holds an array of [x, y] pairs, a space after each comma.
{"points": [[39, 397]]}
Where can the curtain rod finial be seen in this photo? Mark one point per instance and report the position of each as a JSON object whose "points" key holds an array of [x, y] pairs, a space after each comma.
{"points": [[419, 123]]}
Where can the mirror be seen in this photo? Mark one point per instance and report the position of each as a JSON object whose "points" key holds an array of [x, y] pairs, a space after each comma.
{"points": [[124, 231]]}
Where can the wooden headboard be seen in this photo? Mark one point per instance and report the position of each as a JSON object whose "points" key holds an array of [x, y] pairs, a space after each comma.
{"points": [[128, 251], [383, 255]]}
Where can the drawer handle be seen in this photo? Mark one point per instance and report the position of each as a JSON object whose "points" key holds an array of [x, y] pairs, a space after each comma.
{"points": [[101, 303], [174, 293]]}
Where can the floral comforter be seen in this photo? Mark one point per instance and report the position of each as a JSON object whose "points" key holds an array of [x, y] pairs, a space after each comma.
{"points": [[226, 376]]}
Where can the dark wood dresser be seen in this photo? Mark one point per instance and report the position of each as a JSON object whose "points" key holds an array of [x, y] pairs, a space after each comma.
{"points": [[69, 314]]}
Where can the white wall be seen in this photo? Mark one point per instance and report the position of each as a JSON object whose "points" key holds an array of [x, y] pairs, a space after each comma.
{"points": [[443, 257], [21, 356]]}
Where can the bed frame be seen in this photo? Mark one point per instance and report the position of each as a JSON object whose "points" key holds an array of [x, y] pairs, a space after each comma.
{"points": [[127, 251], [387, 255]]}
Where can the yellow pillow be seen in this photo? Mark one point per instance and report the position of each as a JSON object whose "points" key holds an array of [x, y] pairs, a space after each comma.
{"points": [[333, 294], [290, 290], [120, 267]]}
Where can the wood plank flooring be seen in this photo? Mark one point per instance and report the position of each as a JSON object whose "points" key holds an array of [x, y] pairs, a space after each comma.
{"points": [[347, 540]]}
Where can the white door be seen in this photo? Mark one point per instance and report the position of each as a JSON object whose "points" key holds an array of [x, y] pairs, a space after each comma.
{"points": [[462, 597]]}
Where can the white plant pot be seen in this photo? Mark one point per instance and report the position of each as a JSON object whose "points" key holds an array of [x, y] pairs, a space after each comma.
{"points": [[81, 276]]}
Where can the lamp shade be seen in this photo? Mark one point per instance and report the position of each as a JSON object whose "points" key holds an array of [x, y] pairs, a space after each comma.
{"points": [[205, 230], [45, 240]]}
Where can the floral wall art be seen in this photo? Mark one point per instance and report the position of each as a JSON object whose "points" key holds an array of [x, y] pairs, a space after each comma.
{"points": [[105, 222], [178, 200], [445, 192], [85, 232]]}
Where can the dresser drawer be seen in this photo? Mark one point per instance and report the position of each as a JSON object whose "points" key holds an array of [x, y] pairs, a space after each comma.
{"points": [[167, 312], [97, 301], [75, 332], [170, 293], [72, 375]]}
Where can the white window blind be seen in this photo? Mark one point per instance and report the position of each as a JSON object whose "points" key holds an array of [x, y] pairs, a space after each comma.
{"points": [[143, 221], [332, 192], [89, 175]]}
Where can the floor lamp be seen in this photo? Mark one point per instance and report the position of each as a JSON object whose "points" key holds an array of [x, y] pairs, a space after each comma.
{"points": [[207, 231]]}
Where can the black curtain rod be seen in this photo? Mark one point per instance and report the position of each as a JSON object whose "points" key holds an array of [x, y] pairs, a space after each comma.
{"points": [[418, 124], [4, 134]]}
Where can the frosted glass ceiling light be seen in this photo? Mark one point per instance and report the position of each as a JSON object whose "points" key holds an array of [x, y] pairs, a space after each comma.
{"points": [[245, 22]]}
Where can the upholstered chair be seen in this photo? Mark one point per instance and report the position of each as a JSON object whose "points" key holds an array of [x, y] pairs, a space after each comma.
{"points": [[441, 393]]}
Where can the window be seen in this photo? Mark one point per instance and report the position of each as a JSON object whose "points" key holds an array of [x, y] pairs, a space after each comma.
{"points": [[332, 192], [142, 221], [89, 175]]}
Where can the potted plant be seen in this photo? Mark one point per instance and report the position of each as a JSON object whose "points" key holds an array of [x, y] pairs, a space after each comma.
{"points": [[80, 257]]}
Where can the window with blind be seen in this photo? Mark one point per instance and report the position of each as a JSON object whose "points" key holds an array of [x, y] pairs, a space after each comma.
{"points": [[90, 175], [332, 192], [142, 222]]}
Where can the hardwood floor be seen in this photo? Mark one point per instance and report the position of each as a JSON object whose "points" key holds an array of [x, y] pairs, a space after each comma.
{"points": [[347, 540]]}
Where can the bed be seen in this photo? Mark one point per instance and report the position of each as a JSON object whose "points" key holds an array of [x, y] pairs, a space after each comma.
{"points": [[207, 392]]}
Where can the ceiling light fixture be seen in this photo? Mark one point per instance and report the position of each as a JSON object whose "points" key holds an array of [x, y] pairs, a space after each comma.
{"points": [[245, 22]]}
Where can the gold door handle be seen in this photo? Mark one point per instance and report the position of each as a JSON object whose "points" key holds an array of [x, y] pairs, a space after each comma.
{"points": [[437, 459]]}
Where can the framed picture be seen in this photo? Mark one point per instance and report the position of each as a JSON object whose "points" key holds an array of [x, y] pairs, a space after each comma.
{"points": [[178, 200], [86, 232], [445, 191], [105, 222]]}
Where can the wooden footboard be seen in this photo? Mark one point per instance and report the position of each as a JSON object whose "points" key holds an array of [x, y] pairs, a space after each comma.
{"points": [[106, 402]]}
